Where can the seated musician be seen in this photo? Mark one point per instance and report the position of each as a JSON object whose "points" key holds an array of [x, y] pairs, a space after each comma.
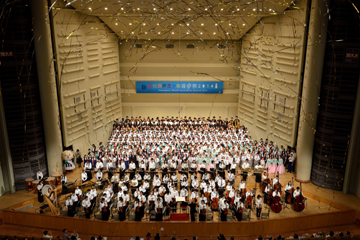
{"points": [[104, 210], [69, 206], [147, 177], [169, 185], [174, 179], [237, 198], [206, 177], [246, 164], [214, 199], [152, 166], [257, 166], [202, 210], [193, 167], [288, 187], [168, 199], [99, 165], [142, 199], [120, 194], [121, 206], [138, 177], [87, 166], [143, 189], [63, 179], [173, 166], [212, 183], [249, 193], [195, 183], [276, 193], [78, 192], [164, 167], [222, 169], [221, 185], [267, 192], [93, 192], [231, 196], [122, 168], [134, 183], [84, 176], [184, 193], [242, 187], [203, 198], [162, 190], [202, 167], [39, 175], [202, 186], [233, 167], [86, 204], [132, 168], [75, 200], [99, 175], [224, 208], [231, 177], [151, 201], [228, 188], [184, 166], [183, 177], [122, 185], [239, 207], [136, 193], [194, 195], [142, 166], [276, 180], [212, 167], [159, 209], [297, 192], [126, 198], [89, 195]]}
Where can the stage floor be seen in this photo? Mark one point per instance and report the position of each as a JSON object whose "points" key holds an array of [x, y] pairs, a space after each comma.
{"points": [[319, 200]]}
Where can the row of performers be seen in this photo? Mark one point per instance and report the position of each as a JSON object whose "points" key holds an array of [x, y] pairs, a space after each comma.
{"points": [[173, 165], [162, 203]]}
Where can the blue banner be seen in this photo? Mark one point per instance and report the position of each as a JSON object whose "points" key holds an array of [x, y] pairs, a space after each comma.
{"points": [[178, 87]]}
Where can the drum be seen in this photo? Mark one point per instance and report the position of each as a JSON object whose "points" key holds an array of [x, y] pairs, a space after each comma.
{"points": [[35, 183], [57, 177], [50, 181], [28, 184]]}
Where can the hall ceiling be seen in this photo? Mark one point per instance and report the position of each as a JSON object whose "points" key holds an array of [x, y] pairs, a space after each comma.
{"points": [[181, 19]]}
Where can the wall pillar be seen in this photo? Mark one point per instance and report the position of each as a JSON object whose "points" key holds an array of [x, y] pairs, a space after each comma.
{"points": [[47, 84], [7, 180], [311, 89]]}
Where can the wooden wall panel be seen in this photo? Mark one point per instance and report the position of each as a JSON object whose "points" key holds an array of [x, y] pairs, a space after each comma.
{"points": [[116, 228]]}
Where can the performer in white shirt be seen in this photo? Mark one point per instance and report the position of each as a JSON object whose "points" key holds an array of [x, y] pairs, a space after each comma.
{"points": [[86, 204], [39, 175], [258, 204], [99, 175], [84, 176], [69, 206]]}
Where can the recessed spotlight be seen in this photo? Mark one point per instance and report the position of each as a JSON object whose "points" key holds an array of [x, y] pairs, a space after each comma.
{"points": [[171, 9], [187, 24], [132, 32], [243, 24], [202, 24], [254, 9], [216, 24], [172, 24], [227, 33], [116, 23], [144, 24], [106, 8], [205, 9], [270, 9], [200, 33], [238, 9], [121, 8], [189, 9], [138, 9], [214, 33], [172, 33], [158, 32], [90, 9], [130, 24], [229, 24], [154, 9], [158, 24], [145, 32], [187, 32], [222, 9]]}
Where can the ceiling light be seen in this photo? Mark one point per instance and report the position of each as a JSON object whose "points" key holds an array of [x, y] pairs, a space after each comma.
{"points": [[172, 33], [227, 33], [254, 9], [116, 23], [222, 9], [171, 9], [189, 9], [238, 9], [158, 32], [132, 32], [154, 9], [216, 24], [158, 24], [201, 33], [144, 24], [138, 9], [187, 24], [187, 32], [270, 9], [243, 24], [90, 9], [121, 8], [214, 33], [205, 9], [229, 24], [130, 24], [145, 32], [106, 8], [202, 24]]}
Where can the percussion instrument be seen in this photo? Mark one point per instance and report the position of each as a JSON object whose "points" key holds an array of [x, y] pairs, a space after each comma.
{"points": [[28, 184], [35, 183], [45, 190], [57, 177], [50, 181]]}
